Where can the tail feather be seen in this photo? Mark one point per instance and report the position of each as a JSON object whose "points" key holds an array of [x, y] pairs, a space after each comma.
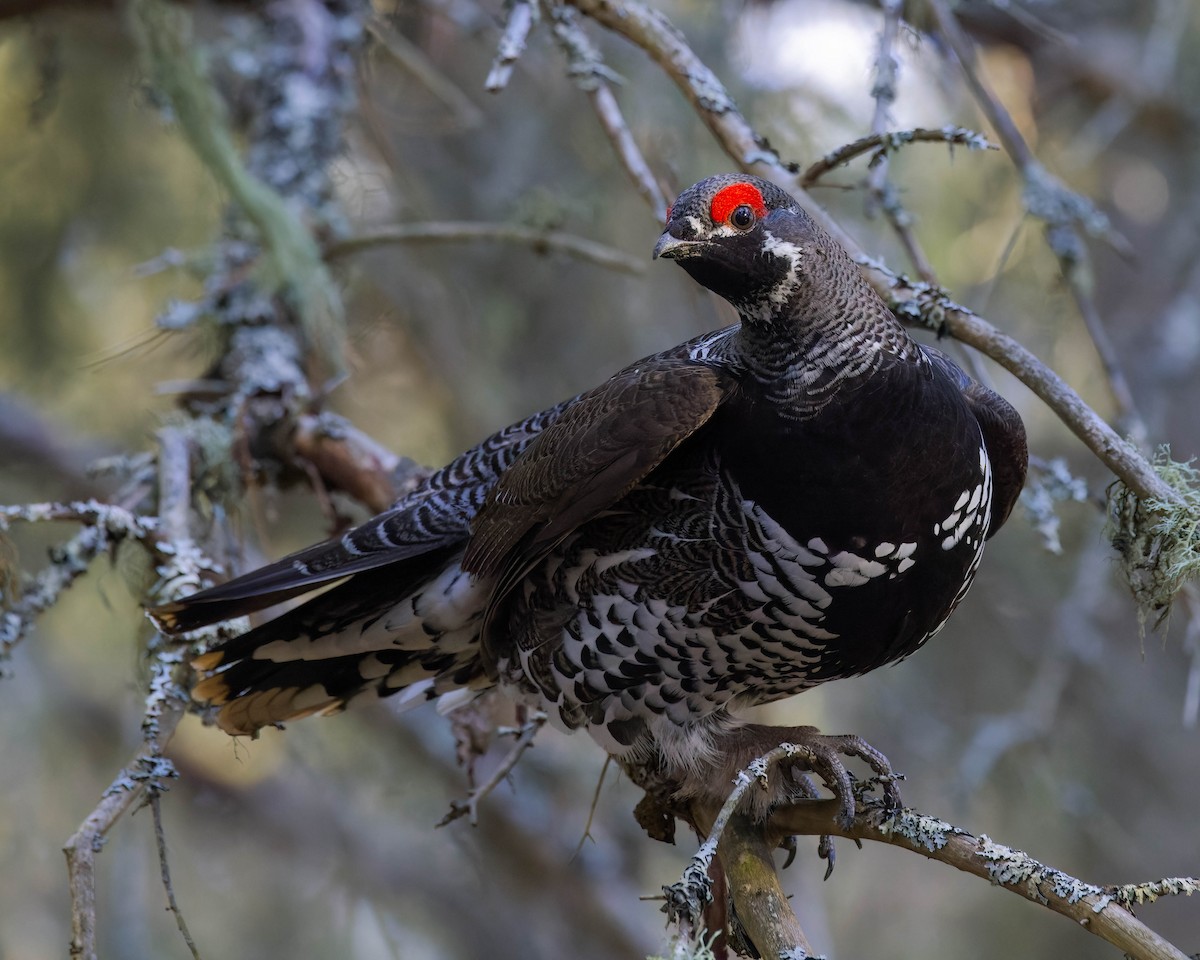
{"points": [[357, 552], [410, 628]]}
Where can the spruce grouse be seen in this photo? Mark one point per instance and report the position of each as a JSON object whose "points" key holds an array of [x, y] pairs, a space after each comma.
{"points": [[798, 497]]}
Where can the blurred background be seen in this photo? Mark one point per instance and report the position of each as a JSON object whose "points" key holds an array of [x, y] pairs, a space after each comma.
{"points": [[1038, 716]]}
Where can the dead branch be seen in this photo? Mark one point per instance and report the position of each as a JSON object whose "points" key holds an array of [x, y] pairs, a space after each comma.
{"points": [[542, 241], [160, 841], [470, 807], [1046, 198], [417, 63], [879, 145], [347, 459], [88, 839], [522, 15], [586, 68], [165, 706]]}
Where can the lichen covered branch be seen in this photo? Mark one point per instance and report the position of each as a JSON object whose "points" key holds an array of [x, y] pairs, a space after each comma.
{"points": [[1097, 909], [179, 565], [879, 145]]}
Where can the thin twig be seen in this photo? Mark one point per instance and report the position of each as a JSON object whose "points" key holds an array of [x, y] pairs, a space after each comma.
{"points": [[882, 195], [885, 142], [587, 827], [608, 111], [450, 231], [1118, 385], [414, 60], [179, 565], [1052, 202], [105, 525], [522, 15], [160, 841], [590, 74], [88, 839], [470, 806]]}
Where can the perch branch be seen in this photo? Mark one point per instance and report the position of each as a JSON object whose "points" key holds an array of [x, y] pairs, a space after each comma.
{"points": [[747, 860], [1097, 909], [542, 241], [763, 907]]}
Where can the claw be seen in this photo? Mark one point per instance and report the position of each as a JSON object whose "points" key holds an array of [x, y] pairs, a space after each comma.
{"points": [[789, 844], [826, 851]]}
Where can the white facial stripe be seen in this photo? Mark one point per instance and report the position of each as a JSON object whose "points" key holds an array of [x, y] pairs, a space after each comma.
{"points": [[790, 252]]}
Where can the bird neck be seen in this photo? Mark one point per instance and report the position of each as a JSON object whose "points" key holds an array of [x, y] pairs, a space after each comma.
{"points": [[803, 349]]}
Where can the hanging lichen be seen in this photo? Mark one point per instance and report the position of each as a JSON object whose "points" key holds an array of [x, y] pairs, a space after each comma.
{"points": [[1159, 541]]}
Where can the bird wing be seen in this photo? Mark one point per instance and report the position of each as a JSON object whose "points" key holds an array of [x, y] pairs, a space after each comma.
{"points": [[1003, 434], [601, 445], [418, 529], [384, 540]]}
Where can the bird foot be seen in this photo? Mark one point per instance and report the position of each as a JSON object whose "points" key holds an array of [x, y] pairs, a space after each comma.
{"points": [[805, 789], [805, 750]]}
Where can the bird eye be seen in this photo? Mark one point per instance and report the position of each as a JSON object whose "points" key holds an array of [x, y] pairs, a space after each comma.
{"points": [[742, 216]]}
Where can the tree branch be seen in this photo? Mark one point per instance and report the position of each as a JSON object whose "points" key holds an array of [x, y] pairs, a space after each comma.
{"points": [[882, 143], [590, 74], [1096, 909], [760, 903], [81, 848], [166, 702], [522, 15], [542, 241]]}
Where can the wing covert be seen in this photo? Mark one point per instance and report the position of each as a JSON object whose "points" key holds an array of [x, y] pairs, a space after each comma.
{"points": [[599, 447]]}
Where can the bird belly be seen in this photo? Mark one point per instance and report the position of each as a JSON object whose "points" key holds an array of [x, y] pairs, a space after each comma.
{"points": [[684, 601]]}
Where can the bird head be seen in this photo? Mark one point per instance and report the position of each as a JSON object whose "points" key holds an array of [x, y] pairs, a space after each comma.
{"points": [[746, 240]]}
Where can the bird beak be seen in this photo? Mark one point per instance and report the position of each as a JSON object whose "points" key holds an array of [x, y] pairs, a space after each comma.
{"points": [[672, 248]]}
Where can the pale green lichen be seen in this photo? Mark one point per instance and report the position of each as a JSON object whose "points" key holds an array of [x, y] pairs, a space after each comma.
{"points": [[292, 263], [696, 947], [929, 832], [1131, 893], [1158, 540], [1015, 868]]}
